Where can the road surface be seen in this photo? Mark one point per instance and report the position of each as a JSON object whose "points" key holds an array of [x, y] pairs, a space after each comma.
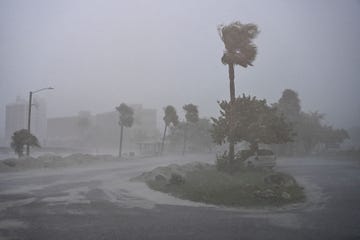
{"points": [[99, 202]]}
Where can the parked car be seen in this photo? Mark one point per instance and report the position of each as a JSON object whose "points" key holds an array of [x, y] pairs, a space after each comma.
{"points": [[263, 158]]}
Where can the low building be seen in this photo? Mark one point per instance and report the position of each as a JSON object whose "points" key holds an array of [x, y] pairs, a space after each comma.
{"points": [[101, 132]]}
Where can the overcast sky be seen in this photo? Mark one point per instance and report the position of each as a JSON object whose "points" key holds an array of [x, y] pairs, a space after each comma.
{"points": [[97, 54]]}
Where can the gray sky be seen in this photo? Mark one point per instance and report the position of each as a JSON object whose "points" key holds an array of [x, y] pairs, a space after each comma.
{"points": [[97, 54]]}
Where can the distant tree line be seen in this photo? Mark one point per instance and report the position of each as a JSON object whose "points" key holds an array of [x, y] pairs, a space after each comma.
{"points": [[192, 134], [312, 134]]}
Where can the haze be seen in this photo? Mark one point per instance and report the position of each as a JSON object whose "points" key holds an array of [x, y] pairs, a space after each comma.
{"points": [[97, 54]]}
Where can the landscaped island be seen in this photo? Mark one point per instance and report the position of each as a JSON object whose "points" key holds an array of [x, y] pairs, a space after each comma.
{"points": [[201, 182]]}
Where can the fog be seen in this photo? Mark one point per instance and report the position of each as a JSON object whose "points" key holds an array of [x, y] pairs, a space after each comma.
{"points": [[98, 54]]}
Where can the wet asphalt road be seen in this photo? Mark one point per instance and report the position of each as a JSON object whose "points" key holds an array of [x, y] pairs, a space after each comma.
{"points": [[98, 202]]}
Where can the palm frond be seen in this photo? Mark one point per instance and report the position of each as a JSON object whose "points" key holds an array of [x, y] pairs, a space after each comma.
{"points": [[237, 38]]}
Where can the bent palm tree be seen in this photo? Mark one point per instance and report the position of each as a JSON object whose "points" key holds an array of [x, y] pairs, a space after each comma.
{"points": [[170, 117], [239, 50], [20, 139], [191, 116], [126, 119]]}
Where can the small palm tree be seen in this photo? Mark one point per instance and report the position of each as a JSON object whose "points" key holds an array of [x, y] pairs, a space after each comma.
{"points": [[170, 117], [239, 50], [22, 138], [126, 119], [191, 116]]}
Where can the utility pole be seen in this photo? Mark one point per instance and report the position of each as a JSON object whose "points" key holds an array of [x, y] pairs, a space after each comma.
{"points": [[29, 114], [29, 122]]}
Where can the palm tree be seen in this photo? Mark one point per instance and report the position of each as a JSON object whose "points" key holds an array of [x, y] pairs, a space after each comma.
{"points": [[239, 50], [126, 119], [170, 117], [191, 116], [22, 138]]}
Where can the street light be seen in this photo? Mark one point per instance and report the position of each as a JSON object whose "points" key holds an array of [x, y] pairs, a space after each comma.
{"points": [[29, 114]]}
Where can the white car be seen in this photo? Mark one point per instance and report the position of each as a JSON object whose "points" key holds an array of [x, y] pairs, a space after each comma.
{"points": [[263, 158]]}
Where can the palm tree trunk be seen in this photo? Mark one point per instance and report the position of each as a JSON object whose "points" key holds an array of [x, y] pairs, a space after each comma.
{"points": [[163, 140], [232, 101], [121, 139]]}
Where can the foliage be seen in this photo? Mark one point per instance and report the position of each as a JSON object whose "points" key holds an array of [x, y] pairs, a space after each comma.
{"points": [[289, 105], [191, 113], [311, 131], [176, 179], [240, 50], [222, 163], [126, 119], [333, 136], [126, 115], [171, 116], [254, 122], [243, 189], [237, 38], [20, 139], [198, 135], [192, 117], [309, 127]]}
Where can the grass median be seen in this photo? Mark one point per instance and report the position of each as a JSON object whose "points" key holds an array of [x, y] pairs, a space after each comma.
{"points": [[253, 187]]}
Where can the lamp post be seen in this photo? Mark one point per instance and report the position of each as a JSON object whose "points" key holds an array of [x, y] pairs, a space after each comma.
{"points": [[29, 114]]}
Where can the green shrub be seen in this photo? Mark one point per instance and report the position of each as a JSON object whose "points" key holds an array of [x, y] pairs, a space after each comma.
{"points": [[176, 179], [223, 163], [242, 188]]}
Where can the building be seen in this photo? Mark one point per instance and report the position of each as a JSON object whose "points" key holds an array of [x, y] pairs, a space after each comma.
{"points": [[101, 132], [16, 118]]}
